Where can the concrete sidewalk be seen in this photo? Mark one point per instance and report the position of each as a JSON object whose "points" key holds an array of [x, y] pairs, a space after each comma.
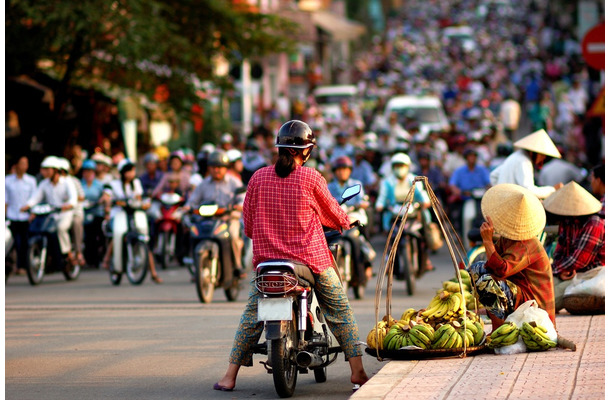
{"points": [[554, 374]]}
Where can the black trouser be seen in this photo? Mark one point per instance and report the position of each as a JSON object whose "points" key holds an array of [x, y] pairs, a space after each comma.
{"points": [[19, 230]]}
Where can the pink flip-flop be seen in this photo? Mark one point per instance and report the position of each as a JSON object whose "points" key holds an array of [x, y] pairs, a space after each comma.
{"points": [[222, 388]]}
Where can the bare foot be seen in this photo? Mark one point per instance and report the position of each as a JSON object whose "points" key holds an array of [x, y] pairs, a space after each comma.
{"points": [[359, 378], [228, 380]]}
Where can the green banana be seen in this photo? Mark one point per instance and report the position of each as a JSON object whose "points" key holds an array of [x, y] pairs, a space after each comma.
{"points": [[419, 335], [542, 333], [503, 330], [417, 342], [452, 340], [478, 337], [459, 341], [442, 341], [388, 337], [511, 338], [428, 332]]}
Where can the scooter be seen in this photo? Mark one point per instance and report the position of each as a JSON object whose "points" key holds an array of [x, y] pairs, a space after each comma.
{"points": [[411, 258], [130, 247], [352, 253], [95, 242], [213, 260], [44, 253], [297, 337], [472, 216], [168, 229], [9, 243]]}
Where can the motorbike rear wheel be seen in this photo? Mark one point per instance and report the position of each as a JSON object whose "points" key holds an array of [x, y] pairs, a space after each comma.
{"points": [[136, 261], [206, 276], [232, 292], [320, 374], [409, 258], [37, 257], [71, 271], [285, 371]]}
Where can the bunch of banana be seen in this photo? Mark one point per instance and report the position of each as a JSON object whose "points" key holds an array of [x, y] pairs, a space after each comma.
{"points": [[421, 335], [409, 314], [452, 285], [535, 337], [452, 336], [445, 306], [505, 335], [477, 330], [374, 339], [397, 337]]}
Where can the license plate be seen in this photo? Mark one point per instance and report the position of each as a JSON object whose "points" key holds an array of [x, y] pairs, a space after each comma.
{"points": [[279, 309]]}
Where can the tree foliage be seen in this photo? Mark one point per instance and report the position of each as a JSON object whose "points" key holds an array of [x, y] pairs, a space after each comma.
{"points": [[136, 44]]}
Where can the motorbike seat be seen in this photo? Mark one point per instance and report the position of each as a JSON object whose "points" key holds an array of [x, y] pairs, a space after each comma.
{"points": [[303, 272]]}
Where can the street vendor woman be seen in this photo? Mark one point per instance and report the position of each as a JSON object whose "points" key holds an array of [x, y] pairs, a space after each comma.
{"points": [[517, 267], [580, 250]]}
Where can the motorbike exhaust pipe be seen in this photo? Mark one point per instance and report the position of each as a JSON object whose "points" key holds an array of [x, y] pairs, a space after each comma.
{"points": [[306, 359]]}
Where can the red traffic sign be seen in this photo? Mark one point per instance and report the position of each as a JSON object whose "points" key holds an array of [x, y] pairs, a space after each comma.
{"points": [[593, 47]]}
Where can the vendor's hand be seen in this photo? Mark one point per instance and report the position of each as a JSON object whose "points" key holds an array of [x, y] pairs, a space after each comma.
{"points": [[66, 207], [567, 275], [24, 208], [487, 230]]}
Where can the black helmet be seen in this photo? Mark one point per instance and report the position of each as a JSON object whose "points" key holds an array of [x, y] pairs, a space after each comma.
{"points": [[295, 134], [218, 159]]}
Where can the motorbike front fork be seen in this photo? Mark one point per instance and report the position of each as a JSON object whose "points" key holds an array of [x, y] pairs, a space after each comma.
{"points": [[302, 322]]}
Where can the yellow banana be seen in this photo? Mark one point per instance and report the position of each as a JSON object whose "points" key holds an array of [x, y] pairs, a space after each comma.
{"points": [[442, 310], [510, 338], [406, 316], [452, 340], [454, 304], [478, 337]]}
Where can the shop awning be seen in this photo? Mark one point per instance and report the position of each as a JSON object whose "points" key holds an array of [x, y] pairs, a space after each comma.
{"points": [[339, 27]]}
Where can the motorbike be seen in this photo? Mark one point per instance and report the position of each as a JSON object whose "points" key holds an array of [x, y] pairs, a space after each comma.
{"points": [[297, 336], [212, 261], [130, 249], [44, 253], [411, 257], [169, 229], [352, 253], [9, 243], [472, 217], [95, 242]]}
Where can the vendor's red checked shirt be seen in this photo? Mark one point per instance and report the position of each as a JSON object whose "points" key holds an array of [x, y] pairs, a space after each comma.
{"points": [[284, 217], [525, 264], [580, 245]]}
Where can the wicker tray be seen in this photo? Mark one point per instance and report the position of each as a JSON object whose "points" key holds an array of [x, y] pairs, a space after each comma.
{"points": [[427, 353], [581, 304]]}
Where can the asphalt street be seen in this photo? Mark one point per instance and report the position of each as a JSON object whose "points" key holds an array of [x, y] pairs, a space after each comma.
{"points": [[89, 339]]}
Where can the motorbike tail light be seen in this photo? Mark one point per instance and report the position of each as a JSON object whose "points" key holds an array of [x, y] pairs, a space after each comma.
{"points": [[276, 283]]}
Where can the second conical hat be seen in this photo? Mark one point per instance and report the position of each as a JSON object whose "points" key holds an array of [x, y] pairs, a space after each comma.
{"points": [[572, 200], [515, 212], [539, 142]]}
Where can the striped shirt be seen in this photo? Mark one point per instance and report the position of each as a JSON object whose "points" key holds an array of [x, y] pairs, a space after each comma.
{"points": [[284, 217], [525, 264]]}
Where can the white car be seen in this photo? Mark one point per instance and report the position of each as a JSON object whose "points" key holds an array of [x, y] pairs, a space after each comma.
{"points": [[427, 111], [329, 100]]}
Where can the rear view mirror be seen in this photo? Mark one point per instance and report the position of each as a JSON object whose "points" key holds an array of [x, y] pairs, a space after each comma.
{"points": [[350, 193]]}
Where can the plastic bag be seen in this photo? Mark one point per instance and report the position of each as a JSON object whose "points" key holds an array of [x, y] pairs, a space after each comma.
{"points": [[593, 284], [528, 312]]}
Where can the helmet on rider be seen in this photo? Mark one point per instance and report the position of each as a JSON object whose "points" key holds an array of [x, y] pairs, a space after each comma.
{"points": [[400, 159], [64, 164], [88, 165], [296, 135], [125, 165], [179, 154], [234, 155], [50, 162], [218, 159], [151, 158], [343, 162]]}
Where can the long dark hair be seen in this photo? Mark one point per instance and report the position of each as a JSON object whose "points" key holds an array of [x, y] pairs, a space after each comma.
{"points": [[285, 163]]}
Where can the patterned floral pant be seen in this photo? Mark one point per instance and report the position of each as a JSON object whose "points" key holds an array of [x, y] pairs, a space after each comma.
{"points": [[496, 296], [334, 305]]}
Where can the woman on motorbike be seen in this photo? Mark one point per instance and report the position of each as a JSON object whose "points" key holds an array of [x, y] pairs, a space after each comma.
{"points": [[121, 190], [176, 166], [93, 189], [286, 192]]}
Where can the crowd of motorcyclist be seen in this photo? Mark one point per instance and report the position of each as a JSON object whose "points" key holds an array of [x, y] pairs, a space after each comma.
{"points": [[478, 88]]}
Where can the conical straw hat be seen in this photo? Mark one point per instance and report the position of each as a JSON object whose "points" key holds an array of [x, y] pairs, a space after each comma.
{"points": [[515, 212], [538, 142], [572, 200]]}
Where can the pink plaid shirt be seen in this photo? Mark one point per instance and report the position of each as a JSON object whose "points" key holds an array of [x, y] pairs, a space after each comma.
{"points": [[284, 217]]}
